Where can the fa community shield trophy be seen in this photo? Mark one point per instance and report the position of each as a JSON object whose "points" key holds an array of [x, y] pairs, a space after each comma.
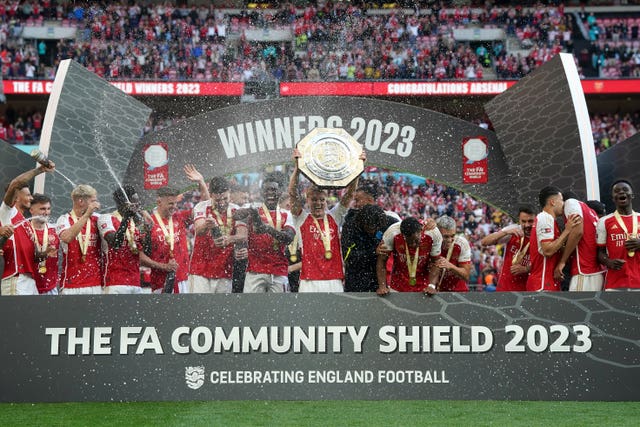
{"points": [[330, 157]]}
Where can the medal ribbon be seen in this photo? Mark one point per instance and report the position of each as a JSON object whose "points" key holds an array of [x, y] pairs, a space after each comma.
{"points": [[169, 236], [324, 234], [129, 233], [267, 213], [45, 237], [412, 264], [293, 248], [45, 242], [634, 230], [83, 240], [221, 223], [278, 226]]}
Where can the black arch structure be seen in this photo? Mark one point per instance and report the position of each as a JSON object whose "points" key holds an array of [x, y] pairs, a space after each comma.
{"points": [[403, 138]]}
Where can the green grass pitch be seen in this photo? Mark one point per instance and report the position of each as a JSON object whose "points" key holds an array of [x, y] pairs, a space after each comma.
{"points": [[323, 413]]}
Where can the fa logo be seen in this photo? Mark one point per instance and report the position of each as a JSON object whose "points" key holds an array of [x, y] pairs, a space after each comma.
{"points": [[194, 376]]}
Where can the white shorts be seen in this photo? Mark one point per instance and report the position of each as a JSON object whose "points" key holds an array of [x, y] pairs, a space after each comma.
{"points": [[121, 289], [183, 288], [21, 284], [89, 290], [590, 283], [334, 285], [202, 285], [259, 283], [53, 291]]}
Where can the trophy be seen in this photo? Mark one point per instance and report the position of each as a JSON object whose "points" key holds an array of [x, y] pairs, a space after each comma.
{"points": [[330, 157]]}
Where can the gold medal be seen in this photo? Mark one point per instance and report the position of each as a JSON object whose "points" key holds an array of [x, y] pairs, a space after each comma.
{"points": [[42, 269], [412, 281], [84, 258], [631, 253], [293, 258], [328, 255]]}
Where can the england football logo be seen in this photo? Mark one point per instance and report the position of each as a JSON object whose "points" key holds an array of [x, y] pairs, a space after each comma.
{"points": [[194, 376]]}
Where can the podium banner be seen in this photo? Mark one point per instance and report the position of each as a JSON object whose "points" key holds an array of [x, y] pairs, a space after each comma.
{"points": [[507, 346]]}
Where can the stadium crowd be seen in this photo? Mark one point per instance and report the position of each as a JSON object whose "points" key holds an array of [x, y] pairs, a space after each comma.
{"points": [[335, 41]]}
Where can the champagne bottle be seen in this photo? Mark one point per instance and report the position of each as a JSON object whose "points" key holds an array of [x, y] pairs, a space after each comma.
{"points": [[40, 157], [169, 282]]}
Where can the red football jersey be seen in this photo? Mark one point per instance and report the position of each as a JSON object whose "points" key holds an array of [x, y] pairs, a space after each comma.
{"points": [[429, 247], [19, 250], [208, 260], [266, 255], [541, 278], [585, 258], [315, 265], [508, 282], [612, 236], [77, 273], [160, 251], [461, 255], [48, 280], [122, 265]]}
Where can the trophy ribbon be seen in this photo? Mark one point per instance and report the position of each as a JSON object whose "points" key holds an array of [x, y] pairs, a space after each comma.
{"points": [[83, 241], [634, 229], [412, 264], [325, 235], [169, 236], [278, 224]]}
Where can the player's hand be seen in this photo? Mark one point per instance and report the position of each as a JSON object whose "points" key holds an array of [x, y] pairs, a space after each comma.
{"points": [[443, 263], [572, 221], [241, 253], [50, 167], [363, 156], [222, 241], [615, 264], [514, 230], [383, 290], [382, 249], [172, 265], [632, 244], [52, 251], [430, 290], [6, 231], [429, 224], [519, 269], [210, 222], [558, 275], [192, 173], [91, 208]]}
